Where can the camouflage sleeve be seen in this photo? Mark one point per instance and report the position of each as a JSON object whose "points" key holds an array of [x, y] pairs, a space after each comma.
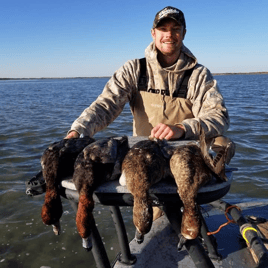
{"points": [[208, 106], [110, 103]]}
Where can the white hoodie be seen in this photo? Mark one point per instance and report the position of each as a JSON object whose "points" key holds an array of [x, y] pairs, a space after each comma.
{"points": [[208, 106]]}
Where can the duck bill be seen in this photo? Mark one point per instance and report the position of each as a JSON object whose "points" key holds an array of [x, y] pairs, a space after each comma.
{"points": [[139, 237], [87, 243], [56, 228]]}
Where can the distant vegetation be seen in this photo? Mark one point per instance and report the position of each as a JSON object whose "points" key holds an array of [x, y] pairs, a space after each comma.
{"points": [[240, 73]]}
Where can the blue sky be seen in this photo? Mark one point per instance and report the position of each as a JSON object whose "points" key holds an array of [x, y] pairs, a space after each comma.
{"points": [[94, 38]]}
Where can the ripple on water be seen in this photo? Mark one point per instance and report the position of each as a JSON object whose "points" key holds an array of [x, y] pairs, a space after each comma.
{"points": [[35, 114]]}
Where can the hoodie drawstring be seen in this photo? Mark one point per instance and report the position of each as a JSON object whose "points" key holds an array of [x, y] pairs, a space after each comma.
{"points": [[164, 105]]}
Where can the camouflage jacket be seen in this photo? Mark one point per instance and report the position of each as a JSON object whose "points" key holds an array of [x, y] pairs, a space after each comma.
{"points": [[208, 105]]}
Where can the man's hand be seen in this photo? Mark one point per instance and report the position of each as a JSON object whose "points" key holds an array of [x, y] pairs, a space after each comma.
{"points": [[72, 134], [163, 131]]}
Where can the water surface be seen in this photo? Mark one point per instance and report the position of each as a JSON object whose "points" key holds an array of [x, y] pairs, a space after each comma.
{"points": [[35, 113]]}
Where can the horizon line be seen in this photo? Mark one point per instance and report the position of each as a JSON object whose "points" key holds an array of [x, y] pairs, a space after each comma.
{"points": [[92, 77]]}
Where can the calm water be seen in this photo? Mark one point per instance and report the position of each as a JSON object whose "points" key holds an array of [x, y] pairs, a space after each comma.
{"points": [[35, 113]]}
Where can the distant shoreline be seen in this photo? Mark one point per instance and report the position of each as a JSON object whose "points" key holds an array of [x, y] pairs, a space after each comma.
{"points": [[94, 77], [240, 73], [40, 78]]}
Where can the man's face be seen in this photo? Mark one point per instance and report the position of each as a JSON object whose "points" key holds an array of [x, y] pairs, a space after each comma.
{"points": [[168, 37]]}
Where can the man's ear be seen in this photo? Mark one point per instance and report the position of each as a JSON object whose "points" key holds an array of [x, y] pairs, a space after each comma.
{"points": [[153, 33], [184, 33]]}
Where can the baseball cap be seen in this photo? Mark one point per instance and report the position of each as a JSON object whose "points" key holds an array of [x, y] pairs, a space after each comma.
{"points": [[169, 12]]}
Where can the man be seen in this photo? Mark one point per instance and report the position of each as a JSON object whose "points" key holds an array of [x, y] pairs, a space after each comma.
{"points": [[161, 104], [170, 117]]}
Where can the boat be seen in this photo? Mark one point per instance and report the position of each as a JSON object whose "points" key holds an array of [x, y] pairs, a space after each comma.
{"points": [[241, 243], [159, 248]]}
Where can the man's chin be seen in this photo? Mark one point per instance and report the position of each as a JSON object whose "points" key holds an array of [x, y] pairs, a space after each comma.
{"points": [[169, 53]]}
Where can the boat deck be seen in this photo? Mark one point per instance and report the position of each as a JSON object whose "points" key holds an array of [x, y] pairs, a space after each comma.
{"points": [[159, 248]]}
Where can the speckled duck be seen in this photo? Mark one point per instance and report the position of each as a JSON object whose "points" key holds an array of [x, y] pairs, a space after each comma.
{"points": [[192, 166], [57, 162], [143, 166], [98, 162]]}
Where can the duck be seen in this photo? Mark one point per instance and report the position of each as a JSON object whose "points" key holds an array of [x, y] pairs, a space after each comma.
{"points": [[98, 162], [192, 166], [144, 165], [57, 162]]}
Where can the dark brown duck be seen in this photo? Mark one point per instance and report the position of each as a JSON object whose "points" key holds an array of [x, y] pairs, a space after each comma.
{"points": [[143, 166], [192, 166], [98, 162], [58, 162]]}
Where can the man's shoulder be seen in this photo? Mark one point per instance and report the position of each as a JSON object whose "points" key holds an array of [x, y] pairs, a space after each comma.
{"points": [[132, 61], [129, 68], [201, 69], [201, 73], [131, 65]]}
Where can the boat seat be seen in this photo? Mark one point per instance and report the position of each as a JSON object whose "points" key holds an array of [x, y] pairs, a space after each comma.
{"points": [[112, 193]]}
